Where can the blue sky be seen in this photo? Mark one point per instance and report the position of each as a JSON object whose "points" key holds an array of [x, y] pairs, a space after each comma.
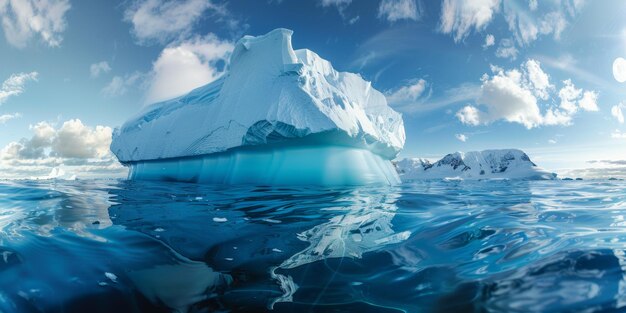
{"points": [[546, 77]]}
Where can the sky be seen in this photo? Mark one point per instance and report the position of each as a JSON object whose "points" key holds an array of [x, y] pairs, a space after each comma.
{"points": [[546, 77]]}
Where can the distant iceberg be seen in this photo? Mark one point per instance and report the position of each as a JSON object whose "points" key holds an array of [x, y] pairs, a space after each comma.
{"points": [[278, 116], [487, 164]]}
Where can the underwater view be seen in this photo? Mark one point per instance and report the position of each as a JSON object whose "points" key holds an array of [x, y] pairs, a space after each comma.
{"points": [[427, 246]]}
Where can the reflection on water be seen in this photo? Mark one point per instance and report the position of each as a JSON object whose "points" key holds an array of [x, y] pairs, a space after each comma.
{"points": [[363, 227], [103, 246]]}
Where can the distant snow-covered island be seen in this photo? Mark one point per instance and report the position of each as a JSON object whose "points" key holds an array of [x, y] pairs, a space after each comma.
{"points": [[487, 164]]}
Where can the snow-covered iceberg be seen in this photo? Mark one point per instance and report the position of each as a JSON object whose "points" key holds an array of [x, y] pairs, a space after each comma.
{"points": [[487, 164], [278, 116]]}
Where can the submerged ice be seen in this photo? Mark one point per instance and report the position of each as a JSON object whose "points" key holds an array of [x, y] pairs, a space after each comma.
{"points": [[277, 116]]}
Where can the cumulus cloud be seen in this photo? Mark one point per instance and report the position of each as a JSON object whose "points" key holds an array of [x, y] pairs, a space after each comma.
{"points": [[7, 117], [459, 17], [75, 140], [14, 85], [616, 111], [407, 97], [180, 68], [24, 19], [72, 147], [514, 96], [470, 115], [188, 65], [461, 137], [538, 79], [490, 40], [395, 10], [99, 68], [164, 20]]}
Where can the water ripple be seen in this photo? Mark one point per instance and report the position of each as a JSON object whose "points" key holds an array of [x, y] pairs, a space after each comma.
{"points": [[498, 246]]}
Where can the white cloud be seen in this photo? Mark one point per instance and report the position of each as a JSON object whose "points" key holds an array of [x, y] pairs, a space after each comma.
{"points": [[490, 40], [513, 96], [589, 101], [407, 97], [354, 20], [163, 20], [573, 99], [461, 137], [74, 148], [507, 97], [75, 140], [14, 85], [568, 95], [7, 117], [539, 80], [461, 93], [394, 10], [619, 70], [507, 49], [99, 68], [470, 115], [616, 111], [553, 23], [338, 3], [527, 26], [552, 141], [22, 19], [188, 65], [460, 17], [617, 134], [119, 85]]}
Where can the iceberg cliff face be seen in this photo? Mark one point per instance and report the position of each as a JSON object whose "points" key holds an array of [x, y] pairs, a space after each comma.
{"points": [[271, 97], [487, 164]]}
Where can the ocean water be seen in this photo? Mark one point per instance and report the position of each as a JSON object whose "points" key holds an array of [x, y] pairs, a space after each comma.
{"points": [[460, 246]]}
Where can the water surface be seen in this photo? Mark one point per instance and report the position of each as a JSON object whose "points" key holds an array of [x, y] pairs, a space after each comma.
{"points": [[113, 246]]}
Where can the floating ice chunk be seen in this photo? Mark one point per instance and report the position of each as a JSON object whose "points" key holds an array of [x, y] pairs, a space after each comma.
{"points": [[111, 276], [269, 220], [220, 219], [309, 124]]}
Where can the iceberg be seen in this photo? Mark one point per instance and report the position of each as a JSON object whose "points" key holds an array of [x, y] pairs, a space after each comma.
{"points": [[487, 164], [278, 116]]}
